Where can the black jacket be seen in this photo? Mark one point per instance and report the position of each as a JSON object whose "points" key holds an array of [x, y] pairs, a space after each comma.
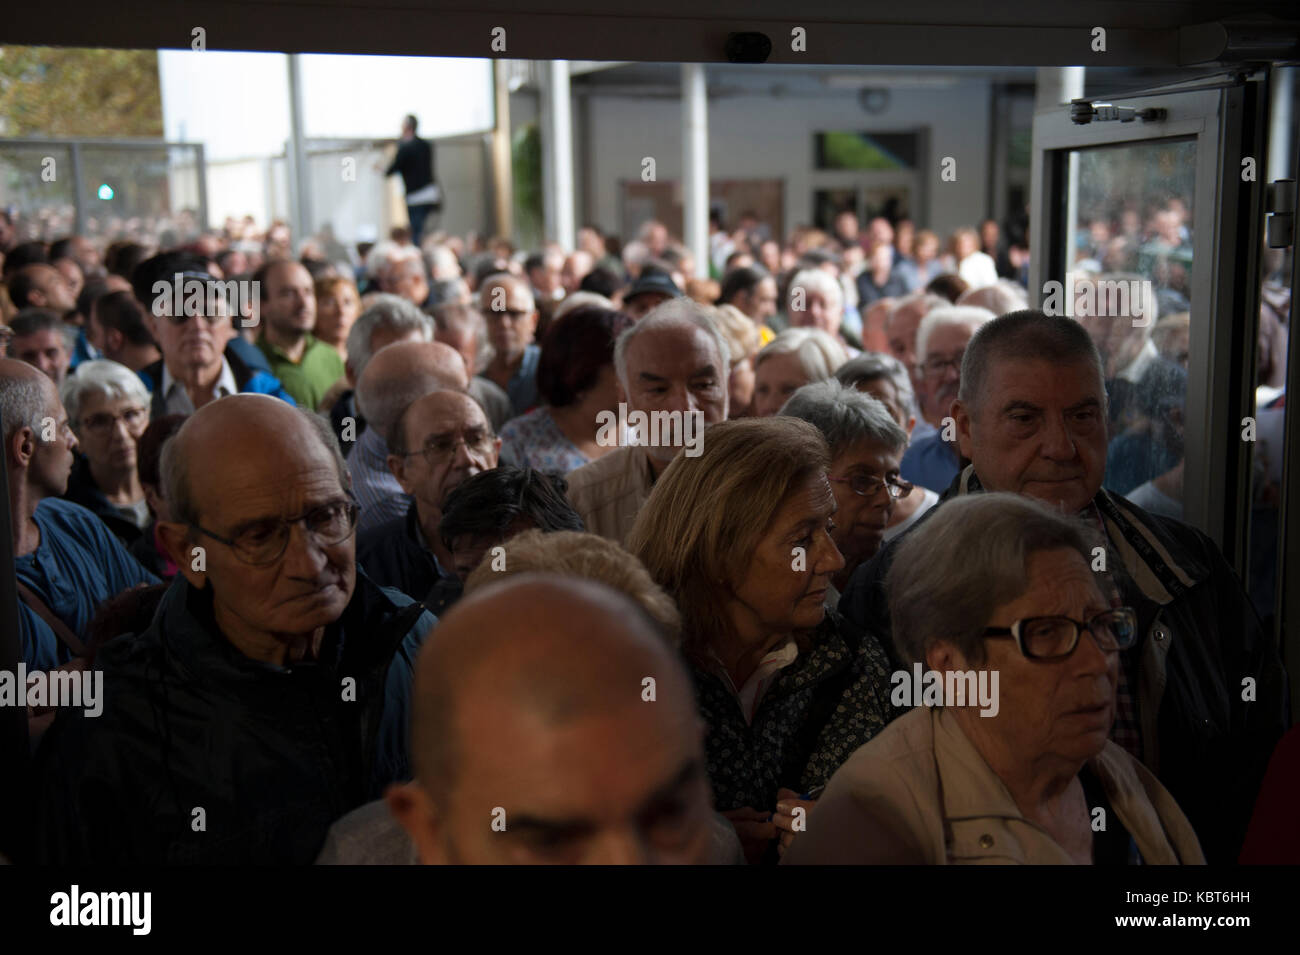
{"points": [[393, 556], [83, 490], [202, 755], [414, 160], [1199, 639]]}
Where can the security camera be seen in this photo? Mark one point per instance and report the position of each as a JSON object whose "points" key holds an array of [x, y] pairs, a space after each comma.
{"points": [[748, 47]]}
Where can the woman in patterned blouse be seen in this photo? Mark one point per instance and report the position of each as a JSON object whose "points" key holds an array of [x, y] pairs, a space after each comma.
{"points": [[576, 380], [740, 536]]}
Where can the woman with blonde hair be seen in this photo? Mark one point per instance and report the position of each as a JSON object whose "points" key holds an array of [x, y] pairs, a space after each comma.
{"points": [[740, 537]]}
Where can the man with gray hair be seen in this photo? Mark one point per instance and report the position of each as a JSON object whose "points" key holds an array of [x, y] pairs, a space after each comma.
{"points": [[389, 319], [941, 338], [866, 446], [672, 369], [65, 560], [1201, 694], [270, 694], [394, 377]]}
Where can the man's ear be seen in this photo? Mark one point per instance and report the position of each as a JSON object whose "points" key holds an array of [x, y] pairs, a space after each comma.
{"points": [[397, 465], [113, 340], [412, 807], [22, 446], [190, 558], [961, 416]]}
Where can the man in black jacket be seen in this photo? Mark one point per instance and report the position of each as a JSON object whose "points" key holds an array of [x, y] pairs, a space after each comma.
{"points": [[271, 693], [414, 160], [1201, 697]]}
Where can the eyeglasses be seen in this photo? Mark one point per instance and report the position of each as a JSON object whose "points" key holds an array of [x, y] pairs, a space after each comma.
{"points": [[868, 485], [104, 423], [264, 542], [937, 366], [182, 318], [444, 446], [1054, 638]]}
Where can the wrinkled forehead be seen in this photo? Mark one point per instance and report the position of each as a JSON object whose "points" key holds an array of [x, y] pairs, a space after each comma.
{"points": [[449, 411], [676, 350], [1041, 382]]}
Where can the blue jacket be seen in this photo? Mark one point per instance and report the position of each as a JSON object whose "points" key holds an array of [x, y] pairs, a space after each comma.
{"points": [[78, 565], [271, 754], [249, 379]]}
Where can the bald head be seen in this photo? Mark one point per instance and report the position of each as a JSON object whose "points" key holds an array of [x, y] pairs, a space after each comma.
{"points": [[400, 373], [582, 722], [263, 468], [24, 393]]}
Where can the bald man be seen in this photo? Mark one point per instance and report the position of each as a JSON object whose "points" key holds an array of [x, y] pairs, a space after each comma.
{"points": [[270, 694], [438, 443], [553, 724], [507, 305], [394, 377], [66, 560]]}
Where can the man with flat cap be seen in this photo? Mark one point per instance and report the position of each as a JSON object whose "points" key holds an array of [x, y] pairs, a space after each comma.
{"points": [[270, 694]]}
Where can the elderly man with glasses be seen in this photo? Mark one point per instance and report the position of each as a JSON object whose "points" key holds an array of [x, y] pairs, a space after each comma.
{"points": [[201, 356], [933, 460], [270, 694], [436, 444]]}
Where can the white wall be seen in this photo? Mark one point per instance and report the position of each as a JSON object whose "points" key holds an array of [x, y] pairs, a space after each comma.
{"points": [[752, 137]]}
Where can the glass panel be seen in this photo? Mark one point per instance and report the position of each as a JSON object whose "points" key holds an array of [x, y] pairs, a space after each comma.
{"points": [[1129, 229], [37, 188], [143, 191]]}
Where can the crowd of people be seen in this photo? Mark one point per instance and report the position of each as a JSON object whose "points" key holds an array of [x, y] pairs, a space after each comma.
{"points": [[380, 561]]}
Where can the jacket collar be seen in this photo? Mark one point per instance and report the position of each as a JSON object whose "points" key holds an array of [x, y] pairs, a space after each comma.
{"points": [[1143, 550]]}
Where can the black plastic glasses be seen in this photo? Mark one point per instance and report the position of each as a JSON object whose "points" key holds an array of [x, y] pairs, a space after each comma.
{"points": [[1054, 638], [264, 542]]}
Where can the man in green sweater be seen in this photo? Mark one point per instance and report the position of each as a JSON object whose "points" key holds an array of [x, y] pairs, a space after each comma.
{"points": [[306, 366]]}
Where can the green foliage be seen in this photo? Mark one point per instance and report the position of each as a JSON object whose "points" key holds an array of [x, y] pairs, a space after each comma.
{"points": [[526, 162], [55, 91]]}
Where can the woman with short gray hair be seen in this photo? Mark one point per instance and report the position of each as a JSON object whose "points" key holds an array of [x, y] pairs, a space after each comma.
{"points": [[866, 446], [796, 357], [1007, 757], [108, 410]]}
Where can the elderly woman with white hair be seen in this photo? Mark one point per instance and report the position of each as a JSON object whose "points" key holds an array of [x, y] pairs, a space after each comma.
{"points": [[796, 357], [866, 446], [108, 410], [1008, 759], [816, 300]]}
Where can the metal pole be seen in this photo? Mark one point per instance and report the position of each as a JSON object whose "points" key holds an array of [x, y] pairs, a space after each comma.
{"points": [[299, 178], [502, 184], [557, 153], [695, 164], [78, 188], [201, 169], [15, 755], [1281, 95]]}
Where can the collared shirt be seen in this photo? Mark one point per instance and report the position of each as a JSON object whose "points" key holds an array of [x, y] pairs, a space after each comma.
{"points": [[750, 694], [522, 387], [177, 399], [376, 490], [77, 566], [308, 379], [609, 492]]}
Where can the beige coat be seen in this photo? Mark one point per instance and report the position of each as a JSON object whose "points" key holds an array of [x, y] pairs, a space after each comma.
{"points": [[608, 493], [919, 793]]}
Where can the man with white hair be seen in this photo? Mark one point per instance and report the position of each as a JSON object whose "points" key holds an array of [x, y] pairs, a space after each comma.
{"points": [[674, 361], [817, 301], [941, 340], [404, 275]]}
